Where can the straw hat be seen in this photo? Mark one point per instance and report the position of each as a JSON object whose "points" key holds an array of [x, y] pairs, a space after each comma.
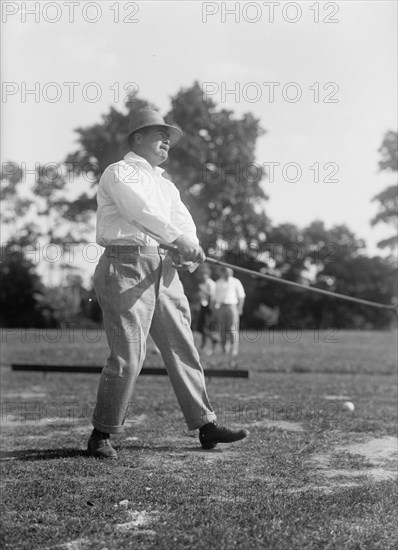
{"points": [[147, 117]]}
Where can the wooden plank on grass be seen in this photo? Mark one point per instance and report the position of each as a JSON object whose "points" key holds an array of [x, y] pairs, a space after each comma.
{"points": [[226, 373], [153, 371]]}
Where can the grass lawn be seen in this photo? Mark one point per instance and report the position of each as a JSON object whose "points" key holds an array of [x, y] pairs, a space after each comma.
{"points": [[312, 475]]}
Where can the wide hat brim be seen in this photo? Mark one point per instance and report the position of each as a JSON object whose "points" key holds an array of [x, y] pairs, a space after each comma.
{"points": [[147, 118]]}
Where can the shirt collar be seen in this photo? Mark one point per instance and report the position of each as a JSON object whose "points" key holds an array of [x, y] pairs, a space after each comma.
{"points": [[132, 157]]}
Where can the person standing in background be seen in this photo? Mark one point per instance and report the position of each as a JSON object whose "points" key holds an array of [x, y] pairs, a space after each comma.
{"points": [[229, 301], [206, 321]]}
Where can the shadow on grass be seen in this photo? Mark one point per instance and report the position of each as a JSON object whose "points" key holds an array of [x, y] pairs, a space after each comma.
{"points": [[167, 449], [41, 454], [53, 454]]}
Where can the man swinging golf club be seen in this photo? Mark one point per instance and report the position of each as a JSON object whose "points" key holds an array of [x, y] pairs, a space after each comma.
{"points": [[139, 290]]}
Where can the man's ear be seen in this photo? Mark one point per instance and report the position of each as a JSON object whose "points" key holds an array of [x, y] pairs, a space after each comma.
{"points": [[138, 138]]}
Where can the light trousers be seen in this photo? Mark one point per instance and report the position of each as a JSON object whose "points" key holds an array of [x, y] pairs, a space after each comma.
{"points": [[140, 293], [228, 324]]}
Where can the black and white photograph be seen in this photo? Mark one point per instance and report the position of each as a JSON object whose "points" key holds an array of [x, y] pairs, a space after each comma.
{"points": [[198, 275]]}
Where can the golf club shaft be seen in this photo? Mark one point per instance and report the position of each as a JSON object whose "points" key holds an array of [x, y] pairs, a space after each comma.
{"points": [[289, 283], [298, 285]]}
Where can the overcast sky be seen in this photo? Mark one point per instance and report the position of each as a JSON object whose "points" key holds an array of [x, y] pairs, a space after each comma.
{"points": [[334, 88]]}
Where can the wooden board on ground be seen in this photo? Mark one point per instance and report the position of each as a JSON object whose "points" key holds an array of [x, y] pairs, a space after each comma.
{"points": [[154, 371]]}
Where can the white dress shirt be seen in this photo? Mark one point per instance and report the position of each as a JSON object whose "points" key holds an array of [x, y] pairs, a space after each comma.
{"points": [[138, 206], [229, 292]]}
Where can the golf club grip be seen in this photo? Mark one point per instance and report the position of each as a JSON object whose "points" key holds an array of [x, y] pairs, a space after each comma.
{"points": [[175, 249], [170, 247]]}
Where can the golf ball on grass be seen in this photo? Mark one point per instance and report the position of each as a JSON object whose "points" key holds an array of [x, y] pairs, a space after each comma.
{"points": [[348, 406]]}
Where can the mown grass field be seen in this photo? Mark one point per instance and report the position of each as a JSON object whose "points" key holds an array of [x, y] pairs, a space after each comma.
{"points": [[311, 476]]}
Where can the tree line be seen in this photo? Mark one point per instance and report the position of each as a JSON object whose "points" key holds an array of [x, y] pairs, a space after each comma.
{"points": [[214, 168]]}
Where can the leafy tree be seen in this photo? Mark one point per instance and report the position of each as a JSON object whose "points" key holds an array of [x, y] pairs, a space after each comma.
{"points": [[21, 291], [14, 207], [30, 209], [389, 152], [67, 298], [362, 277], [388, 199], [330, 259]]}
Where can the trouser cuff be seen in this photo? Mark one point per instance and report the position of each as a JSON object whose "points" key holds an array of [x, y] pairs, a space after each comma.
{"points": [[196, 423], [107, 429]]}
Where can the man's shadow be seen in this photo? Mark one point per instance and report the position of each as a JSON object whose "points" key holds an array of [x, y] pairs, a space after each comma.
{"points": [[41, 454], [28, 455]]}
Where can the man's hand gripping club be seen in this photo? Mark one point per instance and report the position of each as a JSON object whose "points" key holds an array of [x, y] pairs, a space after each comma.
{"points": [[188, 254]]}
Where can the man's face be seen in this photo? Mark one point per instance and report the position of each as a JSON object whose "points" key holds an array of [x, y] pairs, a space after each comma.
{"points": [[203, 276], [226, 273], [154, 144]]}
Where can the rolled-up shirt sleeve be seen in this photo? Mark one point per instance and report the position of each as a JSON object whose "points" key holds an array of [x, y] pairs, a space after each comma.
{"points": [[125, 187]]}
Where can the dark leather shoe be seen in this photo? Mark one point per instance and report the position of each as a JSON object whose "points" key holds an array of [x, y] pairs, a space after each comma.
{"points": [[213, 433], [99, 445]]}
